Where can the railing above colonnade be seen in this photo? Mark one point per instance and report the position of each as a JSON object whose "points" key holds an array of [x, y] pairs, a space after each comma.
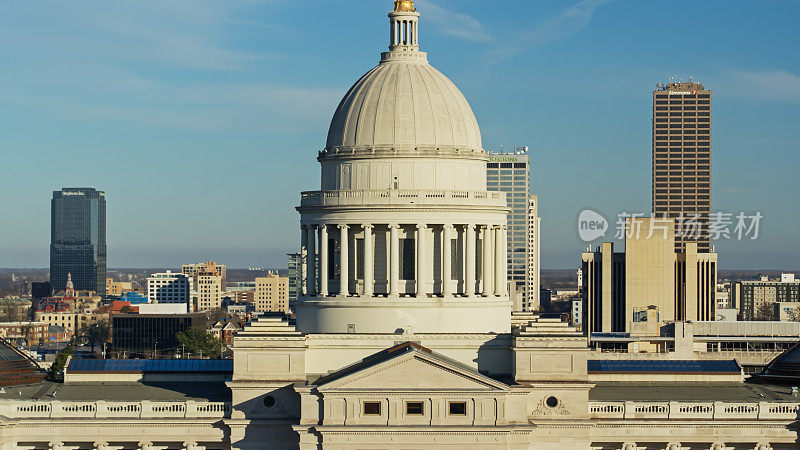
{"points": [[402, 197]]}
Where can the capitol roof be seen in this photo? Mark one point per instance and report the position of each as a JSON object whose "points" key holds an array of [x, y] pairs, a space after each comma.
{"points": [[404, 101]]}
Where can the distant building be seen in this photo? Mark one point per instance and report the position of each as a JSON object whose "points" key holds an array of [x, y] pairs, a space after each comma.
{"points": [[751, 296], [682, 160], [545, 297], [209, 291], [78, 239], [576, 317], [511, 173], [116, 288], [295, 268], [533, 256], [30, 333], [206, 268], [134, 298], [169, 287], [149, 334], [618, 288], [40, 290], [71, 321], [272, 294]]}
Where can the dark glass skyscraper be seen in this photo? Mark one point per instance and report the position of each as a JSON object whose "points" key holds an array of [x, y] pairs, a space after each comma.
{"points": [[78, 239]]}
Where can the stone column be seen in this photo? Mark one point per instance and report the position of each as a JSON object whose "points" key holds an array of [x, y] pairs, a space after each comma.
{"points": [[146, 445], [369, 262], [101, 445], [191, 445], [505, 259], [718, 446], [323, 260], [394, 259], [56, 445], [303, 282], [421, 253], [344, 260], [487, 261], [469, 276], [674, 446], [500, 277], [763, 446], [311, 261], [447, 284], [629, 446]]}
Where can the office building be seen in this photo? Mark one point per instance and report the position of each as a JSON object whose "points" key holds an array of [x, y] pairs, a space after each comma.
{"points": [[272, 294], [511, 173], [116, 288], [533, 256], [209, 292], [755, 299], [295, 274], [149, 334], [620, 287], [40, 290], [682, 160], [169, 287], [78, 239], [206, 268]]}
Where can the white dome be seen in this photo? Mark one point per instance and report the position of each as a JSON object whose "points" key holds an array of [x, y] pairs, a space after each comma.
{"points": [[404, 103]]}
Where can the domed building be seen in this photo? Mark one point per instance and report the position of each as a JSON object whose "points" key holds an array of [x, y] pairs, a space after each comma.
{"points": [[403, 233], [403, 336]]}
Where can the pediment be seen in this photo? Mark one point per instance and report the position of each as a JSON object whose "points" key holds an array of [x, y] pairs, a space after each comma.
{"points": [[414, 371]]}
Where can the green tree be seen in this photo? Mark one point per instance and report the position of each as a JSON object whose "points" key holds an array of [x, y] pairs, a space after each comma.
{"points": [[56, 372], [766, 312], [197, 341], [95, 333]]}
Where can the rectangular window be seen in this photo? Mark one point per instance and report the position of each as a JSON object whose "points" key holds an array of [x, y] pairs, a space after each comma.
{"points": [[479, 259], [372, 408], [407, 258], [414, 409], [457, 408], [359, 260]]}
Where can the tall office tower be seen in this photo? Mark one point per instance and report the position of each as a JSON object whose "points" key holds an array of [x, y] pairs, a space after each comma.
{"points": [[78, 239], [532, 283], [682, 160], [510, 173], [295, 266], [209, 292]]}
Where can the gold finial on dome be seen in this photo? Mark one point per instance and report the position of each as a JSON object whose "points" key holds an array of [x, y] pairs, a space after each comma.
{"points": [[404, 6]]}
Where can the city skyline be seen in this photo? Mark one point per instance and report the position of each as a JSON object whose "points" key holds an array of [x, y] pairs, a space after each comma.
{"points": [[188, 117]]}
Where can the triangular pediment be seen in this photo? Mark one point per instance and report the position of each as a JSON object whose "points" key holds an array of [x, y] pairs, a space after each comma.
{"points": [[413, 371]]}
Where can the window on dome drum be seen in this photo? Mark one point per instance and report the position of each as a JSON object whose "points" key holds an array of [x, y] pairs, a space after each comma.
{"points": [[372, 408], [455, 257], [414, 409], [407, 255], [457, 408]]}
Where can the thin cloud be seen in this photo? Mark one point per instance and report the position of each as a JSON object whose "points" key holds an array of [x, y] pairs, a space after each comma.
{"points": [[454, 23], [775, 85], [566, 23]]}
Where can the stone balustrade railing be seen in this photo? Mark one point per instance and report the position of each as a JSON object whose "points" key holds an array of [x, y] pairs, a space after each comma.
{"points": [[401, 197], [694, 410], [106, 409]]}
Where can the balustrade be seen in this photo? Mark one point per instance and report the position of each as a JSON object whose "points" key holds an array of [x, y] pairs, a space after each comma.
{"points": [[102, 409], [694, 410]]}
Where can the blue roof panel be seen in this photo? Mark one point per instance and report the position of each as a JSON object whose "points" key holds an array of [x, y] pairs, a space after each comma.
{"points": [[671, 366]]}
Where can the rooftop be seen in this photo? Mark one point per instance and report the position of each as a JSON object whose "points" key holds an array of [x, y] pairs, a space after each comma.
{"points": [[700, 392]]}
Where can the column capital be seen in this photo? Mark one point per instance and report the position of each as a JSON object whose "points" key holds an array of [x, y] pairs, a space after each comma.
{"points": [[394, 225], [448, 226], [342, 226], [421, 226], [470, 226], [368, 225]]}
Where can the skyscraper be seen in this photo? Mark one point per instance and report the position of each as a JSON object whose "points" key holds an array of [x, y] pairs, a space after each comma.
{"points": [[78, 239], [682, 160], [510, 173]]}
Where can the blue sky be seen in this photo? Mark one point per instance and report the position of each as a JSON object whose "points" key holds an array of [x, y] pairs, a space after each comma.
{"points": [[201, 119]]}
